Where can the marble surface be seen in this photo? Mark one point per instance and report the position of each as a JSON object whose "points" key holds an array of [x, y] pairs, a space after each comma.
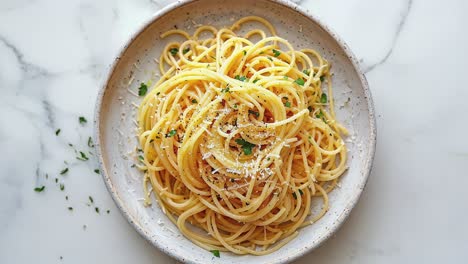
{"points": [[53, 55]]}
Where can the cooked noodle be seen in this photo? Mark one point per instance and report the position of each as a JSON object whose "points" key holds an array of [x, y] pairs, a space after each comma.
{"points": [[239, 139]]}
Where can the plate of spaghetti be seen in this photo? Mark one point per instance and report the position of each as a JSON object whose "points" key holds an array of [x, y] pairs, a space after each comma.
{"points": [[235, 132]]}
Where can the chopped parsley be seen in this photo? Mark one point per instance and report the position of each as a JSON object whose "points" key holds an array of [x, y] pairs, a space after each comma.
{"points": [[185, 50], [276, 53], [285, 78], [310, 108], [171, 133], [225, 90], [91, 199], [255, 113], [142, 89], [306, 72], [245, 52], [323, 99], [108, 211], [174, 51], [321, 115], [240, 78], [256, 80], [82, 120], [97, 171], [62, 187], [215, 253], [270, 58], [140, 157], [82, 157], [322, 78], [62, 172], [57, 132], [39, 189], [90, 142], [300, 81], [287, 104], [246, 146], [70, 208], [194, 101], [97, 209]]}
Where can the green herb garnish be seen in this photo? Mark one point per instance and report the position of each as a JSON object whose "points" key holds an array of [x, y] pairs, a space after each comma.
{"points": [[171, 133], [270, 58], [323, 99], [90, 142], [276, 53], [174, 51], [57, 132], [287, 104], [82, 157], [185, 50], [97, 171], [70, 208], [240, 78], [310, 108], [306, 72], [246, 146], [91, 199], [245, 52], [300, 81], [97, 209], [82, 120], [257, 114], [194, 101], [140, 157], [215, 253], [39, 189], [108, 211], [256, 80], [321, 115], [62, 187], [322, 78], [225, 90], [62, 172], [142, 89]]}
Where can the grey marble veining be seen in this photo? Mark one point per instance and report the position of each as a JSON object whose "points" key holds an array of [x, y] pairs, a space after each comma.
{"points": [[53, 55]]}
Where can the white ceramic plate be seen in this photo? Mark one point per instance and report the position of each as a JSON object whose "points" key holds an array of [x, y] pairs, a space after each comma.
{"points": [[115, 127]]}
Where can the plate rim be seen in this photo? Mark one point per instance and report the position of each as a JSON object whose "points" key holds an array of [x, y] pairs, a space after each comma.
{"points": [[368, 161]]}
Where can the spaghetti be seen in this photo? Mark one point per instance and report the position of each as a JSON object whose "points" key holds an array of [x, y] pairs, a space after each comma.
{"points": [[237, 139]]}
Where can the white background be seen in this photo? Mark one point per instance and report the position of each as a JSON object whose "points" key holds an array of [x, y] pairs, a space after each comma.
{"points": [[53, 55]]}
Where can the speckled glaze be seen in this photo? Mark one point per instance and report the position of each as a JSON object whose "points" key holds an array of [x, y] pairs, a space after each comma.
{"points": [[115, 113]]}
